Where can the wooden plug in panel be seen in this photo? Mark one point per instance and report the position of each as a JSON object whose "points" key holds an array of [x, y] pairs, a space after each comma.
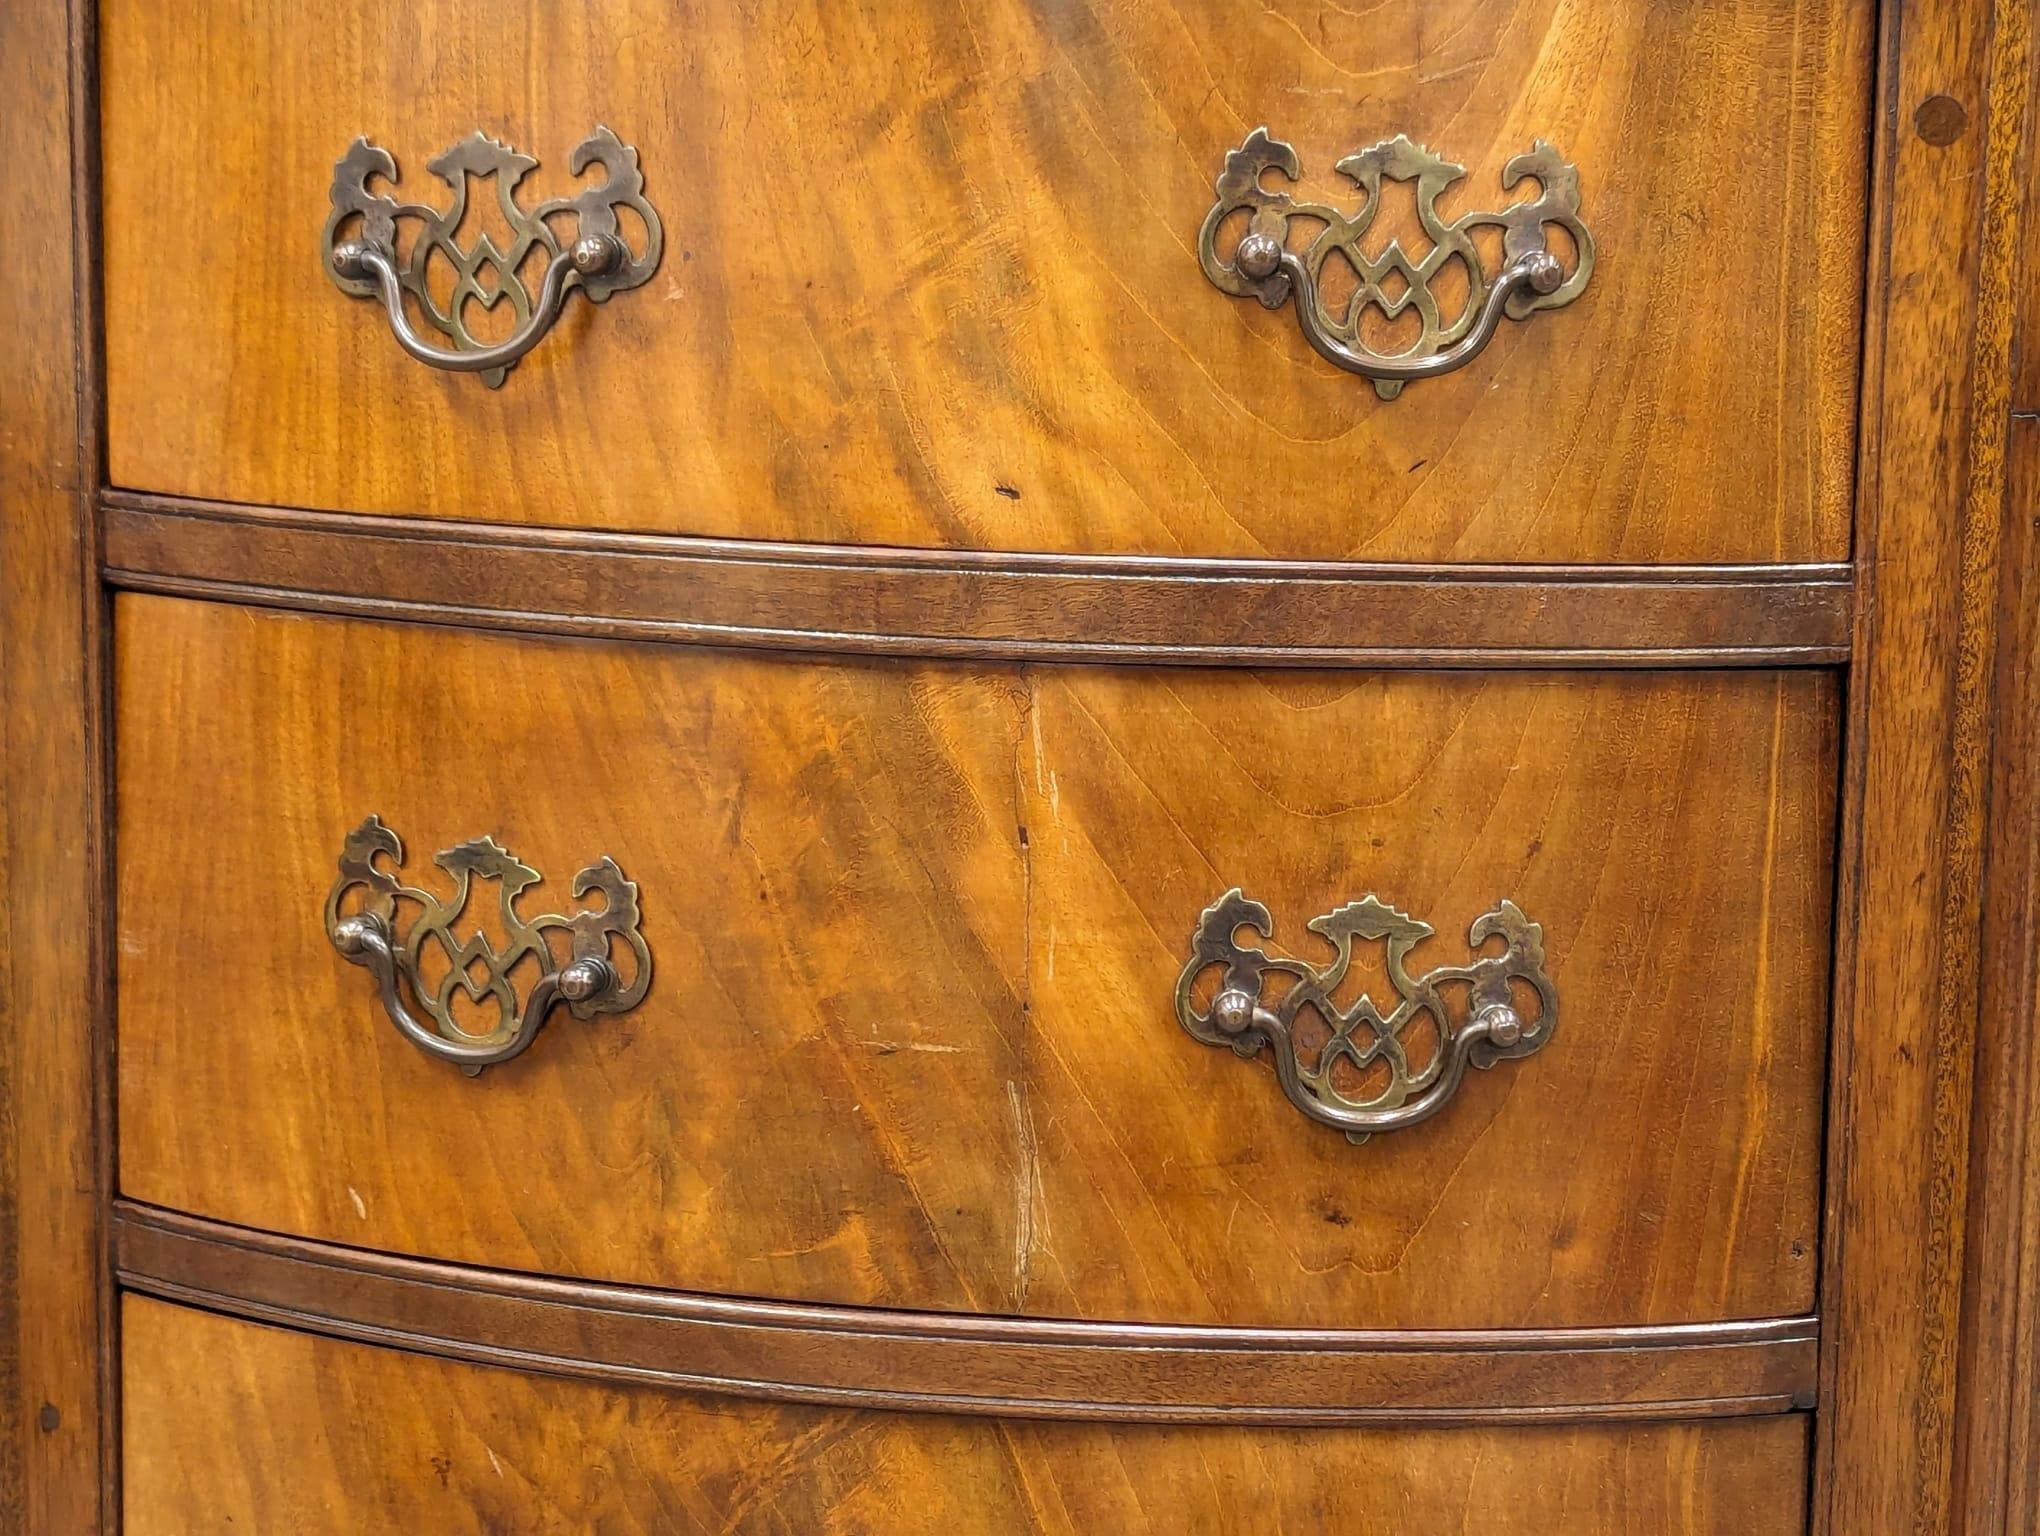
{"points": [[230, 1425], [917, 928], [930, 274]]}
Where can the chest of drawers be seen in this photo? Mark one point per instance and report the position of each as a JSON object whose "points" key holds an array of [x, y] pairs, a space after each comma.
{"points": [[1021, 767]]}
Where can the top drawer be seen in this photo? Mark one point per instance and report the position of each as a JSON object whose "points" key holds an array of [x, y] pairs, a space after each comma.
{"points": [[930, 273]]}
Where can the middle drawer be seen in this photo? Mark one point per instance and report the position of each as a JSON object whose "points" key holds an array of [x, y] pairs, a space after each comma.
{"points": [[917, 928]]}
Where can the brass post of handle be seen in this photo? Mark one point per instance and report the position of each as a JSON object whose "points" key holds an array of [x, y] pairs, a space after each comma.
{"points": [[367, 931], [1263, 266], [1477, 1009], [598, 261]]}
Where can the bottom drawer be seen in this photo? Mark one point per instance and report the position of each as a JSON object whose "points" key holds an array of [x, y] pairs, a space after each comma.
{"points": [[232, 1426]]}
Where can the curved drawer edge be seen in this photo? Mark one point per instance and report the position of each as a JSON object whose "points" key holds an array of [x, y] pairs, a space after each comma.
{"points": [[918, 602], [932, 1362]]}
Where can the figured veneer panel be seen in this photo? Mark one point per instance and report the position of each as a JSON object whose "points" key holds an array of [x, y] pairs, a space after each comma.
{"points": [[917, 927], [1656, 1160], [830, 894], [231, 1425], [930, 273]]}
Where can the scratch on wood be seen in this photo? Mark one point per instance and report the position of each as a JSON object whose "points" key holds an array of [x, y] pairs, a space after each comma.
{"points": [[1026, 1185]]}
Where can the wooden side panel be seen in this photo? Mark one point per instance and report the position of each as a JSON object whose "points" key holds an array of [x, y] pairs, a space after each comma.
{"points": [[1998, 1417], [50, 1250], [1930, 563], [917, 929], [2002, 1396], [231, 1426], [931, 273]]}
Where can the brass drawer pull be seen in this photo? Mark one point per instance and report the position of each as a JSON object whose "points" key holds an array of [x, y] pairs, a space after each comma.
{"points": [[1384, 1092], [1264, 267], [589, 982], [598, 260]]}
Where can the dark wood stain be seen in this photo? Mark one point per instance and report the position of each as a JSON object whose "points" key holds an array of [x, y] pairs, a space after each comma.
{"points": [[979, 1365], [854, 601]]}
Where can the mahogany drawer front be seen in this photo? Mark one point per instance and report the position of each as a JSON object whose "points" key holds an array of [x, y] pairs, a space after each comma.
{"points": [[930, 274], [230, 1425], [909, 1040]]}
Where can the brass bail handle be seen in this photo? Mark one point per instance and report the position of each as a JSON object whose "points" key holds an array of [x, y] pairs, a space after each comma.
{"points": [[598, 260], [1476, 1011], [589, 256], [1262, 265], [387, 927]]}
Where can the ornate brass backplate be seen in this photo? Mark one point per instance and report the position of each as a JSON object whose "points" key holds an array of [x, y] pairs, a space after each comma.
{"points": [[597, 259], [1396, 282], [588, 980], [1263, 1001]]}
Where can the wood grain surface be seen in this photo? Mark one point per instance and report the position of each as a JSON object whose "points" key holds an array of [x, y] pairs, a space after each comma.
{"points": [[944, 1362], [232, 1426], [917, 928], [2001, 1423], [930, 275], [1909, 1157], [848, 600], [2000, 1363], [1998, 1413], [53, 1311]]}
